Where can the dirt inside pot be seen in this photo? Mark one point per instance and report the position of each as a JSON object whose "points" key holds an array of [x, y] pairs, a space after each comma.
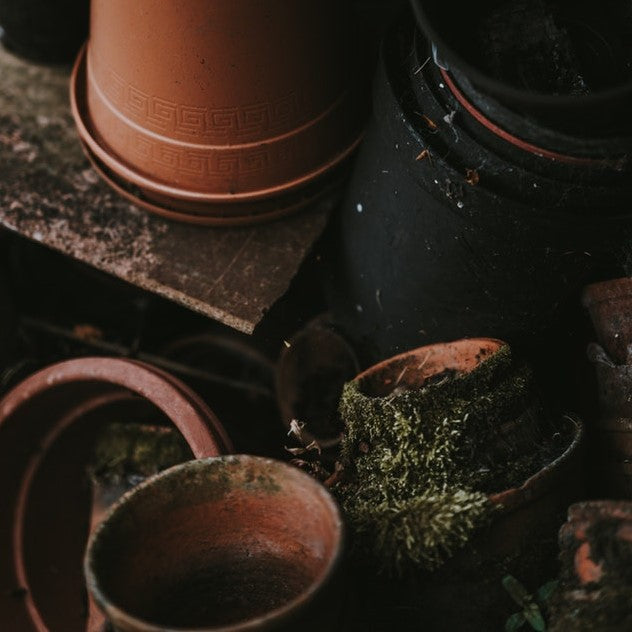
{"points": [[556, 46], [232, 588], [127, 453], [420, 463]]}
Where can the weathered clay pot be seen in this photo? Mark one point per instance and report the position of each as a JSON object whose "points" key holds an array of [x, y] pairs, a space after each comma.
{"points": [[50, 32], [311, 372], [610, 307], [231, 544], [520, 537], [48, 426], [596, 553], [218, 112]]}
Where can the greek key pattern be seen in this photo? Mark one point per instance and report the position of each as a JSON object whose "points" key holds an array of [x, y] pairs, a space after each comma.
{"points": [[191, 165], [234, 122]]}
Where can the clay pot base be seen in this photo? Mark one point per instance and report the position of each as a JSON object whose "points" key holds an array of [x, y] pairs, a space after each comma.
{"points": [[195, 208]]}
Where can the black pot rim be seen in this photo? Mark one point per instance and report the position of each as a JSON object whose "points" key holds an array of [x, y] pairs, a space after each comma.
{"points": [[504, 91]]}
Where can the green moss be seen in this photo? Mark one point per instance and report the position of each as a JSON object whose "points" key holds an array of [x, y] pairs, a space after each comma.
{"points": [[418, 461], [128, 452]]}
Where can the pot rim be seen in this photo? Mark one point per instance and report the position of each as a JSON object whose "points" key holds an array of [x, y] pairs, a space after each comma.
{"points": [[82, 120], [129, 380], [262, 622], [507, 91], [609, 290], [493, 344]]}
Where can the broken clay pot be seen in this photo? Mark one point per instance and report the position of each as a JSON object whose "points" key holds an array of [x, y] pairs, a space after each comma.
{"points": [[609, 304], [220, 113], [232, 543], [595, 580], [48, 428]]}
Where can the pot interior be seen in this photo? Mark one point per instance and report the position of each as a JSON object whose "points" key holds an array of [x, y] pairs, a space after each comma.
{"points": [[214, 543], [413, 370], [555, 47]]}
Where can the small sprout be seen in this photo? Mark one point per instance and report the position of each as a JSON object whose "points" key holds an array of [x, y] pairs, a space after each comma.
{"points": [[472, 177], [296, 430], [531, 612], [423, 155], [429, 122]]}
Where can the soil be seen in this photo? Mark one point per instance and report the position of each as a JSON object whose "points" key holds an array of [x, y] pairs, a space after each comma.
{"points": [[557, 47], [234, 589]]}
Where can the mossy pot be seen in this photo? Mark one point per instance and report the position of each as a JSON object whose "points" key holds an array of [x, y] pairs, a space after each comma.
{"points": [[229, 544], [523, 519]]}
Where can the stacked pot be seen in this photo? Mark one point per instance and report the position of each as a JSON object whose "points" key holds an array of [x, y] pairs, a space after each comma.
{"points": [[218, 113], [475, 209], [610, 307]]}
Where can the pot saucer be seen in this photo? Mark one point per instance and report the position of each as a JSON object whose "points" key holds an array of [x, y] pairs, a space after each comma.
{"points": [[193, 206]]}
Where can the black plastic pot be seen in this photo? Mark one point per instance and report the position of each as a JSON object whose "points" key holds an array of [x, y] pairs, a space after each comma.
{"points": [[450, 229], [597, 39], [42, 30]]}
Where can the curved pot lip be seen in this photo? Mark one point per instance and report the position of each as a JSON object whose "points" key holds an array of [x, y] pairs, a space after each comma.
{"points": [[536, 484], [494, 344], [284, 407], [606, 291], [197, 423], [504, 90], [117, 395], [129, 174], [263, 622]]}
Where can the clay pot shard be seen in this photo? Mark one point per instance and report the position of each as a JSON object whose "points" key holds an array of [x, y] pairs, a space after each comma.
{"points": [[223, 112], [596, 556], [231, 544]]}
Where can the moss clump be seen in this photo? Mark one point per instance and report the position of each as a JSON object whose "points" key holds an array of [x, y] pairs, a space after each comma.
{"points": [[418, 462], [126, 453]]}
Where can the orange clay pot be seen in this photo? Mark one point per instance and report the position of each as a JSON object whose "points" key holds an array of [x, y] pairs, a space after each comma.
{"points": [[217, 112], [231, 544]]}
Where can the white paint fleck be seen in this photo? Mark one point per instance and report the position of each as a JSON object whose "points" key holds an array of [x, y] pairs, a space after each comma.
{"points": [[359, 207], [460, 204], [359, 308]]}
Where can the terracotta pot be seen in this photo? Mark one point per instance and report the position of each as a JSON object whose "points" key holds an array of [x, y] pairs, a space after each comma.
{"points": [[221, 112], [48, 427], [610, 307], [44, 31], [311, 372], [231, 544], [521, 536], [596, 556]]}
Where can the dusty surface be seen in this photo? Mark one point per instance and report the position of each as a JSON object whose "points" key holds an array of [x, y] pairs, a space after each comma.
{"points": [[49, 193]]}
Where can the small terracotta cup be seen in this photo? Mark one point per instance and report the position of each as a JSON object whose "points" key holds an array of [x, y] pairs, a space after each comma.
{"points": [[230, 543], [220, 112], [609, 304]]}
